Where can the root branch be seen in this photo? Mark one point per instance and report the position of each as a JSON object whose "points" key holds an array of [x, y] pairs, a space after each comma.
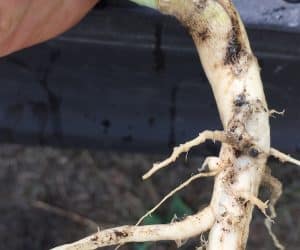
{"points": [[275, 187], [189, 227], [183, 185], [283, 157], [184, 148], [262, 206], [274, 112]]}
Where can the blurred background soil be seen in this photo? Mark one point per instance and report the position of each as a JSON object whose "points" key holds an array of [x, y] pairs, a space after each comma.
{"points": [[106, 187]]}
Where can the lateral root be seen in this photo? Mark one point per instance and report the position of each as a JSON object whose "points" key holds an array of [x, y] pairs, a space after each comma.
{"points": [[191, 226], [183, 185], [275, 187], [184, 148], [283, 157]]}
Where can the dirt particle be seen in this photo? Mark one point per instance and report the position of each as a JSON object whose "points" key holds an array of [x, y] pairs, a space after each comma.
{"points": [[233, 128], [240, 100], [121, 234], [241, 201], [224, 214], [253, 152], [200, 4], [230, 177], [229, 221], [237, 153], [216, 65], [225, 230], [203, 35], [234, 48]]}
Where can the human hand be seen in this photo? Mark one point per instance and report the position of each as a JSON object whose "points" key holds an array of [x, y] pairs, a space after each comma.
{"points": [[27, 22]]}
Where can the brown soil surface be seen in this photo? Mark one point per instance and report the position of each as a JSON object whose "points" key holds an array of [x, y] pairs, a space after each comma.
{"points": [[106, 187]]}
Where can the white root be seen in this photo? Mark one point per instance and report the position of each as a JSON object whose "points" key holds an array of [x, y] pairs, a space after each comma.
{"points": [[234, 75], [191, 226], [277, 244], [203, 243], [262, 206], [212, 163], [274, 112], [275, 188], [184, 148], [283, 157], [183, 185], [180, 243]]}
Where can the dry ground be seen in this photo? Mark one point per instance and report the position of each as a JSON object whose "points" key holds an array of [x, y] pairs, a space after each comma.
{"points": [[106, 187]]}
